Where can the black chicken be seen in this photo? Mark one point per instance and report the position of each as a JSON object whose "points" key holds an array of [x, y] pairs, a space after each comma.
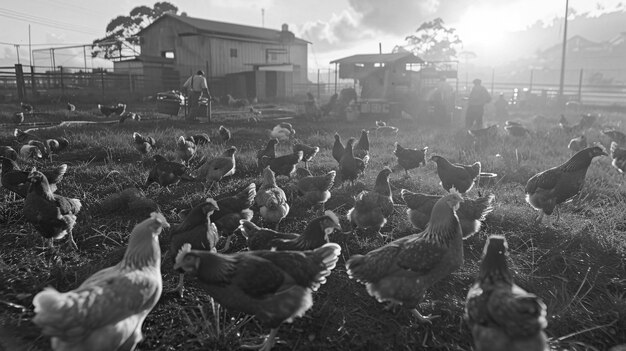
{"points": [[410, 158]]}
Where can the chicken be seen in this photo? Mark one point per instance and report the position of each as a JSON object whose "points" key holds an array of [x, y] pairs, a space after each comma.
{"points": [[53, 216], [70, 107], [8, 152], [16, 180], [386, 131], [618, 155], [283, 165], [197, 230], [500, 314], [60, 145], [185, 149], [256, 114], [224, 133], [24, 137], [166, 172], [546, 190], [461, 177], [200, 139], [308, 152], [43, 147], [274, 286], [129, 115], [401, 271], [616, 136], [271, 199], [371, 208], [330, 105], [489, 132], [381, 124], [351, 167], [283, 131], [119, 109], [232, 210], [515, 129], [577, 144], [30, 152], [471, 213], [107, 310], [269, 151], [338, 148], [28, 108], [142, 144], [218, 168], [315, 189], [362, 147], [315, 235], [18, 118], [410, 158]]}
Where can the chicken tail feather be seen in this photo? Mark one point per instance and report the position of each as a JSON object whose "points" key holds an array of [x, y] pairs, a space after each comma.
{"points": [[328, 255]]}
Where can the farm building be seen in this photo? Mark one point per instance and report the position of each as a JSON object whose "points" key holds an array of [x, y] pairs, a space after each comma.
{"points": [[240, 60]]}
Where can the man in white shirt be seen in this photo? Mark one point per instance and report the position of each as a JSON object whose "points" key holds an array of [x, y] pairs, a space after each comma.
{"points": [[195, 86]]}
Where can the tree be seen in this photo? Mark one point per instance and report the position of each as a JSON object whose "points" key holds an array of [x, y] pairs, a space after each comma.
{"points": [[432, 41], [121, 31]]}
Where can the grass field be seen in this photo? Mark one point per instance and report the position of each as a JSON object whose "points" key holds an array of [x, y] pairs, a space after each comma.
{"points": [[578, 269]]}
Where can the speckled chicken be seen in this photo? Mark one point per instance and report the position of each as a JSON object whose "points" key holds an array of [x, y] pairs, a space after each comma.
{"points": [[315, 189], [185, 149], [409, 159], [314, 235], [500, 314], [362, 147], [308, 152], [351, 167], [618, 155], [338, 148], [546, 190], [271, 199], [577, 144], [372, 208], [616, 136], [283, 165], [52, 215], [197, 230], [269, 151], [274, 286], [224, 134], [461, 177], [232, 210], [218, 168], [401, 271], [143, 144], [107, 311], [471, 212], [15, 180], [166, 172]]}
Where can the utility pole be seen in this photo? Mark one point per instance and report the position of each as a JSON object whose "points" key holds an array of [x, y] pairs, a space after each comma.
{"points": [[561, 97], [30, 48], [17, 49], [263, 18]]}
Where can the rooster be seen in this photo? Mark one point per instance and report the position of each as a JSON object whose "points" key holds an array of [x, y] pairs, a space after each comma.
{"points": [[372, 208], [119, 109], [142, 144], [546, 190], [308, 152], [315, 189], [401, 271], [283, 165], [106, 311], [185, 149], [461, 177], [500, 314], [224, 133], [410, 158], [619, 157], [271, 199], [471, 213]]}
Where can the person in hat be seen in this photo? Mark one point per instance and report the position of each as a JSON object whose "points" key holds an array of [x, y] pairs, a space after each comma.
{"points": [[195, 86], [479, 96]]}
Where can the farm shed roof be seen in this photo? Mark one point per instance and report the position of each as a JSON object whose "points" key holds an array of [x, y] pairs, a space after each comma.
{"points": [[380, 58]]}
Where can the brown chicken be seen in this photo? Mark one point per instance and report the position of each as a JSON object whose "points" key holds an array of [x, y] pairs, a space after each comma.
{"points": [[577, 144], [232, 210], [616, 136], [283, 165], [338, 148], [16, 180], [53, 216], [269, 151], [351, 167], [142, 144], [500, 314], [197, 230], [547, 189], [409, 159], [185, 149], [401, 271], [274, 286], [315, 189], [461, 177], [271, 199], [308, 152], [315, 235], [218, 168], [166, 172], [371, 208], [471, 213], [362, 147], [618, 155], [107, 311]]}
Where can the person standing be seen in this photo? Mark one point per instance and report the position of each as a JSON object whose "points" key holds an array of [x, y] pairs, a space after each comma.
{"points": [[479, 96], [195, 86]]}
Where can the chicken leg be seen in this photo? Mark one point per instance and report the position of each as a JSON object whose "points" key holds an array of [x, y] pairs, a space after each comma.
{"points": [[71, 241], [423, 319], [267, 344]]}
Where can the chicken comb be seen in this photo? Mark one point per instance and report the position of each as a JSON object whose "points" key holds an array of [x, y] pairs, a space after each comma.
{"points": [[332, 216], [184, 250], [159, 218]]}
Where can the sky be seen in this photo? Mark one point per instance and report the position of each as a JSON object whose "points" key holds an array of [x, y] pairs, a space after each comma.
{"points": [[337, 28]]}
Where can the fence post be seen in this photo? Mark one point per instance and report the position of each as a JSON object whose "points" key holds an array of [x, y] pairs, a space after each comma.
{"points": [[19, 80], [530, 88], [580, 86], [102, 81], [318, 84], [32, 80], [62, 83], [336, 74]]}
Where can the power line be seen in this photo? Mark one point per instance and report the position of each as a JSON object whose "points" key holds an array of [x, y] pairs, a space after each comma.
{"points": [[43, 19], [47, 24]]}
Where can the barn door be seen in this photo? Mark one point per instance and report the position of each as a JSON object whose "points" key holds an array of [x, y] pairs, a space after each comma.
{"points": [[271, 84]]}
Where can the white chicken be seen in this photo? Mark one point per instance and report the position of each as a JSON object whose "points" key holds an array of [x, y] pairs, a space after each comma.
{"points": [[283, 131]]}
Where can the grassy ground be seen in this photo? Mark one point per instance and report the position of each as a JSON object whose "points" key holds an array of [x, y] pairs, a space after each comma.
{"points": [[577, 268]]}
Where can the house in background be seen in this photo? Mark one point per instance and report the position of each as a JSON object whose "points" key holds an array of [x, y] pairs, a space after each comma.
{"points": [[243, 61]]}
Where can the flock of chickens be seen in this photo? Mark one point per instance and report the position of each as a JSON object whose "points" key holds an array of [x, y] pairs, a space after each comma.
{"points": [[274, 280]]}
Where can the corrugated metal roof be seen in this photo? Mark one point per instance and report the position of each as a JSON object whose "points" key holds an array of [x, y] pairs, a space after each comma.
{"points": [[228, 29], [380, 58]]}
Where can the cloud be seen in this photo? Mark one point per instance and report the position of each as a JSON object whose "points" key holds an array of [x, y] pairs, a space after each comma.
{"points": [[338, 32], [400, 17]]}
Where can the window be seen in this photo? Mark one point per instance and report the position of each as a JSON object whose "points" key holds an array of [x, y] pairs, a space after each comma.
{"points": [[233, 52], [379, 64], [168, 54]]}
